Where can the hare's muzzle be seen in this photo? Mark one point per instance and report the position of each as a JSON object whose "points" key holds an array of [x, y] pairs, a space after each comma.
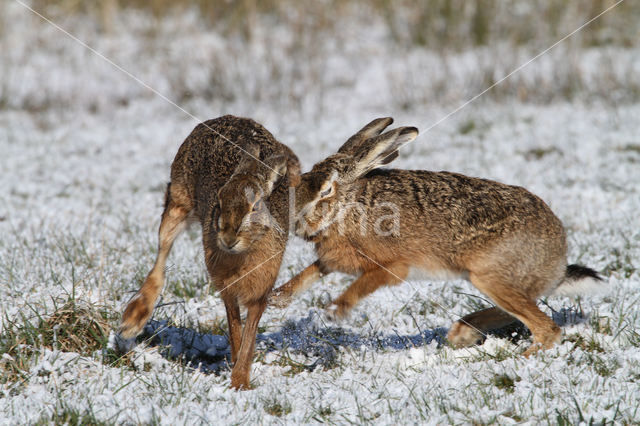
{"points": [[301, 227], [228, 243]]}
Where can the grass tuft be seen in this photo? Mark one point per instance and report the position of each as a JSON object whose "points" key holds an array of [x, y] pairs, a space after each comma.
{"points": [[501, 354], [538, 153], [294, 367], [467, 127], [505, 382], [187, 288], [70, 416], [622, 265], [80, 328], [630, 148], [16, 354], [587, 345], [75, 327], [217, 326], [277, 408]]}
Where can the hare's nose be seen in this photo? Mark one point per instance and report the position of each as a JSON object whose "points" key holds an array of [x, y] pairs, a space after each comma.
{"points": [[301, 227], [228, 242]]}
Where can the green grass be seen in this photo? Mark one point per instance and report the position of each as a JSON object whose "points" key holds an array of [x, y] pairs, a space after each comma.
{"points": [[501, 354], [217, 326], [77, 327], [588, 344], [73, 326], [71, 417], [621, 264], [295, 367], [505, 382], [466, 127], [276, 407], [630, 148], [595, 355], [539, 153], [187, 288]]}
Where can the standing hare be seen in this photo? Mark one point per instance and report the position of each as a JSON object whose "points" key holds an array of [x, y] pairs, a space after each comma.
{"points": [[382, 224], [239, 192]]}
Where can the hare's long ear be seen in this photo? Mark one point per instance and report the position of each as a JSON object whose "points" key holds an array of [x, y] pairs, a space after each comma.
{"points": [[271, 170], [381, 150], [249, 156], [352, 145], [293, 170]]}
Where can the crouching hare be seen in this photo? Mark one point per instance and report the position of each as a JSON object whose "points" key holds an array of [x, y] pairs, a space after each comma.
{"points": [[239, 192], [382, 224]]}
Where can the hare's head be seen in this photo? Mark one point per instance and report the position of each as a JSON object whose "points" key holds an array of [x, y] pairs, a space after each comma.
{"points": [[321, 193], [242, 214]]}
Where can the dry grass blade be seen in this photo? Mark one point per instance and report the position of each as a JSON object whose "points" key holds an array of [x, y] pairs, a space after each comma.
{"points": [[80, 328]]}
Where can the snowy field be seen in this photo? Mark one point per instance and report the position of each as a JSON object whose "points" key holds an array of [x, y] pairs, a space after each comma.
{"points": [[85, 155]]}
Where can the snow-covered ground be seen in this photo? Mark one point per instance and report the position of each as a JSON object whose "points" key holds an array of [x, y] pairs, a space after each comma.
{"points": [[85, 155]]}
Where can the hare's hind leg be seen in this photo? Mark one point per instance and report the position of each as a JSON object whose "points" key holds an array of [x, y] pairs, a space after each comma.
{"points": [[468, 330], [516, 302], [366, 284], [139, 309]]}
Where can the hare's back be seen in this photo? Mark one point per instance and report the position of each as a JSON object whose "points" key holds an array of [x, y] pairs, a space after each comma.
{"points": [[460, 202], [217, 146], [210, 154]]}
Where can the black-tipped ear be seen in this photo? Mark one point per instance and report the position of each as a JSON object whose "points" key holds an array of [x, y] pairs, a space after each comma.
{"points": [[381, 150], [374, 128], [272, 170], [249, 155], [293, 169], [251, 151]]}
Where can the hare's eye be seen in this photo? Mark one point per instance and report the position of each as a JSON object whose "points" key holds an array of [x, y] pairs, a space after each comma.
{"points": [[256, 206], [326, 192]]}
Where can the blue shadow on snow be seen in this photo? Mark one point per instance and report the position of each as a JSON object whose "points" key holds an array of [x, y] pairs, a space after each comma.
{"points": [[211, 353]]}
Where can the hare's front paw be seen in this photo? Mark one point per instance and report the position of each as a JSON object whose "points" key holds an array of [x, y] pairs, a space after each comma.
{"points": [[338, 311], [279, 299], [135, 316], [462, 335], [122, 345], [545, 342], [240, 379]]}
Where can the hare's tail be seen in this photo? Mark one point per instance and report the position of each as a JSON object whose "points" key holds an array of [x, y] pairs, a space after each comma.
{"points": [[579, 281]]}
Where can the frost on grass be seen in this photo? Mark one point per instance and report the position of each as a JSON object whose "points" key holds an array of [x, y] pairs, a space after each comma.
{"points": [[85, 161]]}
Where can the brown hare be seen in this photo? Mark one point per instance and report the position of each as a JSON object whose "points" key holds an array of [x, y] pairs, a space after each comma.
{"points": [[239, 192], [383, 224]]}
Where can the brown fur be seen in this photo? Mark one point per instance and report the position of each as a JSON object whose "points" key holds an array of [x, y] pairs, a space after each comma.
{"points": [[504, 239], [242, 205]]}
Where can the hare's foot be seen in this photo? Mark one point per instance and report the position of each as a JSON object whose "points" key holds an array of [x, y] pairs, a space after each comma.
{"points": [[547, 342], [134, 319], [240, 380], [532, 350], [462, 335], [338, 310], [135, 316], [279, 299], [122, 345]]}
